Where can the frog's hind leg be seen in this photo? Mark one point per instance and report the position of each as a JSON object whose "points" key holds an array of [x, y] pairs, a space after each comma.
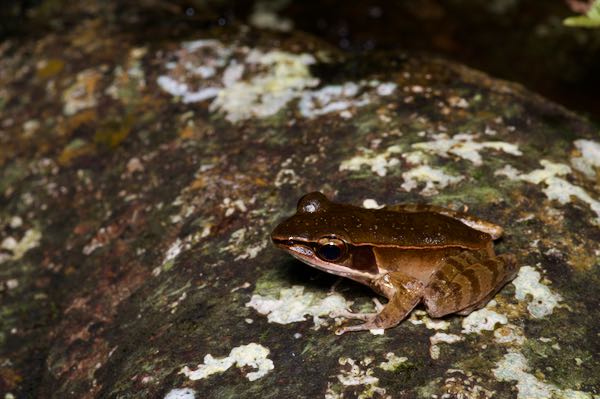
{"points": [[467, 282], [473, 222]]}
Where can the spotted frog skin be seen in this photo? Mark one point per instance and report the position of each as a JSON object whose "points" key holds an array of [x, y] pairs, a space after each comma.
{"points": [[408, 253]]}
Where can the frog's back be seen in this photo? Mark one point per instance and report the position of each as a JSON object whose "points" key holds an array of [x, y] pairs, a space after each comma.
{"points": [[417, 230], [317, 217]]}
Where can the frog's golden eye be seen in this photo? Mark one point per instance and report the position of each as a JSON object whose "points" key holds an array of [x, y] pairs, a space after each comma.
{"points": [[331, 249]]}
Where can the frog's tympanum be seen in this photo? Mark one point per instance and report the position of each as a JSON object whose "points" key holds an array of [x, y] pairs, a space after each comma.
{"points": [[410, 254]]}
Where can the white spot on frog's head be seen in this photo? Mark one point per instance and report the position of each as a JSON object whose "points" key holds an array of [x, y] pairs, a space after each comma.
{"points": [[310, 208], [312, 202]]}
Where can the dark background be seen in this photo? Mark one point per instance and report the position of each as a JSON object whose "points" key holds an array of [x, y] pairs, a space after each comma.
{"points": [[517, 40]]}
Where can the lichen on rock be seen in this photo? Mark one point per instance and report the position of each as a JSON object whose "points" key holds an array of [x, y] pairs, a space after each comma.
{"points": [[140, 176]]}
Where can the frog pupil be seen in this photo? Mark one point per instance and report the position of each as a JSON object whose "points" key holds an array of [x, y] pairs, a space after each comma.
{"points": [[330, 252]]}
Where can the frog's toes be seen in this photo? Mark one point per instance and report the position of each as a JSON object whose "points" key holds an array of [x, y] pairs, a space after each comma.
{"points": [[353, 316], [378, 306], [369, 325]]}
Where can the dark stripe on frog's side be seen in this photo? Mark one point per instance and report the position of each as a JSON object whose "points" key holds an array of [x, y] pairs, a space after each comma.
{"points": [[493, 267], [469, 280], [474, 284], [457, 263], [455, 292]]}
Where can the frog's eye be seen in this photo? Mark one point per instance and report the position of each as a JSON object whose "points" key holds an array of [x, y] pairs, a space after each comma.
{"points": [[331, 249]]}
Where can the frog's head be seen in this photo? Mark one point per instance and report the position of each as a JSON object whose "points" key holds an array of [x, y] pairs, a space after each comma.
{"points": [[320, 234]]}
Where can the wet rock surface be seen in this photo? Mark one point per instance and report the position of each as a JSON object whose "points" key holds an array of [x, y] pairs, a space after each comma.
{"points": [[140, 179]]}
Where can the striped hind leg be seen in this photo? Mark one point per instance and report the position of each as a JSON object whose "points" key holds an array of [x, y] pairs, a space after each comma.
{"points": [[466, 282]]}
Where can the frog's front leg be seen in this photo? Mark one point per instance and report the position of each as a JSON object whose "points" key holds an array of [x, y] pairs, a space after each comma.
{"points": [[404, 294], [467, 282]]}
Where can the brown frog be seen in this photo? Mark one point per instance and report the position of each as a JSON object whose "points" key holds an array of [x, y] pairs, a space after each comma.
{"points": [[407, 253]]}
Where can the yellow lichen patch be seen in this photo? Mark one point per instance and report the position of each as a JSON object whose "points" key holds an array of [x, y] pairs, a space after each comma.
{"points": [[188, 132], [76, 121], [261, 182], [511, 310], [75, 149], [113, 132], [579, 256], [49, 68], [199, 183], [82, 94]]}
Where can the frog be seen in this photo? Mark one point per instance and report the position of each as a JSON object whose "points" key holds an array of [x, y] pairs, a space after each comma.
{"points": [[411, 254]]}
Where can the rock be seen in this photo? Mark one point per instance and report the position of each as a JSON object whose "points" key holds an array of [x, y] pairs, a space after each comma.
{"points": [[157, 169]]}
